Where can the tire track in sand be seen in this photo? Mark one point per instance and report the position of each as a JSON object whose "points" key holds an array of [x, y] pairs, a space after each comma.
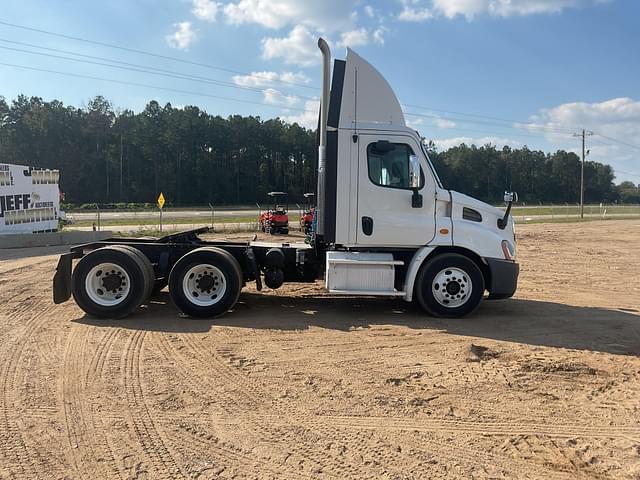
{"points": [[191, 375], [482, 428], [151, 442], [276, 432], [19, 459], [91, 453]]}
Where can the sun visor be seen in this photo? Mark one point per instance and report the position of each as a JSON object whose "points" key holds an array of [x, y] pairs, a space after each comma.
{"points": [[367, 97]]}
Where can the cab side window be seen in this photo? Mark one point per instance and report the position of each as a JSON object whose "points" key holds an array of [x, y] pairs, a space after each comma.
{"points": [[388, 164]]}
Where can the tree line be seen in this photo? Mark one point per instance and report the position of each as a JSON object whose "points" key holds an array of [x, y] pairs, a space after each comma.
{"points": [[107, 156]]}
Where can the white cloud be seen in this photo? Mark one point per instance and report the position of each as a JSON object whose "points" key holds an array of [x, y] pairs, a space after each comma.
{"points": [[299, 47], [354, 38], [421, 10], [378, 35], [264, 79], [444, 123], [206, 10], [256, 79], [290, 77], [182, 37], [308, 118], [325, 15], [415, 123], [617, 118], [275, 97], [370, 11], [413, 12]]}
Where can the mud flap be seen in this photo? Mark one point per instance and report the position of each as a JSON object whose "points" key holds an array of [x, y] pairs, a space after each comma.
{"points": [[62, 278]]}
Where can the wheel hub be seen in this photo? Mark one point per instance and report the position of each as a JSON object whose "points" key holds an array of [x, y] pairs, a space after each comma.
{"points": [[107, 284], [204, 285], [112, 281], [206, 282], [451, 287]]}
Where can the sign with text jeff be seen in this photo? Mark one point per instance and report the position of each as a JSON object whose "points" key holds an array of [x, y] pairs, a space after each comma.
{"points": [[29, 199]]}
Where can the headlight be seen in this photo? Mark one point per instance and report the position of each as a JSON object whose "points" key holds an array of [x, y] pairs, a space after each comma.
{"points": [[509, 250]]}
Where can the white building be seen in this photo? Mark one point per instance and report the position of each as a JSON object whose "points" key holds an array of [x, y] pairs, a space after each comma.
{"points": [[29, 199]]}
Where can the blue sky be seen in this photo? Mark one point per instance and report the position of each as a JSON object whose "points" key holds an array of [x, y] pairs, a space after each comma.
{"points": [[510, 72]]}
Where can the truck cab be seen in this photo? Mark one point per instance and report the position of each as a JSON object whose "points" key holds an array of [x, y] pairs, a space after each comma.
{"points": [[383, 225], [392, 226]]}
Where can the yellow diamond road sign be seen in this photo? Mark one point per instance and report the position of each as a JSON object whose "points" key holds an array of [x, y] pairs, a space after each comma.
{"points": [[161, 200]]}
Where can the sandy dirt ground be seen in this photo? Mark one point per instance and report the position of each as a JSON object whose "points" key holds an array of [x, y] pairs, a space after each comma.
{"points": [[293, 384]]}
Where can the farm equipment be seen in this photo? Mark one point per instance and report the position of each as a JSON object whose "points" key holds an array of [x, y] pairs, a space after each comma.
{"points": [[384, 225], [306, 215], [276, 219]]}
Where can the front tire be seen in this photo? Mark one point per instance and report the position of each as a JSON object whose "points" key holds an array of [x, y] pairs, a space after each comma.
{"points": [[109, 282], [205, 282], [450, 285]]}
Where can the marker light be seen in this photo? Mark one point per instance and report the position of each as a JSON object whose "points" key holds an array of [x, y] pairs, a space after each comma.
{"points": [[508, 250]]}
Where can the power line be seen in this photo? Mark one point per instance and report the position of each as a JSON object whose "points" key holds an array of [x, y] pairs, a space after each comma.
{"points": [[144, 85], [172, 74], [627, 173], [618, 141], [504, 120], [145, 69], [141, 52], [490, 132], [464, 120], [280, 81], [533, 135]]}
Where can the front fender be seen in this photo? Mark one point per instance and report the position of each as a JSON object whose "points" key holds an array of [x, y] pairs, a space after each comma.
{"points": [[476, 237], [412, 271]]}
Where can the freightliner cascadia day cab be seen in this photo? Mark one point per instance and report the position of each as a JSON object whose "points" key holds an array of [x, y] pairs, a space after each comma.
{"points": [[384, 226]]}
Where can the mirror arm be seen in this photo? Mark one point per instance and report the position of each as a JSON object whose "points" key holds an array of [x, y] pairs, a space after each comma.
{"points": [[416, 199], [504, 221]]}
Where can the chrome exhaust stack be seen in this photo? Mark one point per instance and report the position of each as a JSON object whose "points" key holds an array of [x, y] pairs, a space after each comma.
{"points": [[322, 147]]}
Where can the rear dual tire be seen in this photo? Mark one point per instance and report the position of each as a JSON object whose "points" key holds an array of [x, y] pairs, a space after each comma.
{"points": [[205, 282], [111, 282]]}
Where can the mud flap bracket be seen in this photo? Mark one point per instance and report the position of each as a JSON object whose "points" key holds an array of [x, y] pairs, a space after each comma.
{"points": [[62, 278]]}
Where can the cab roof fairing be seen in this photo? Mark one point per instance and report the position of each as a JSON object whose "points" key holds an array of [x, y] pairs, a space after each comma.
{"points": [[368, 101]]}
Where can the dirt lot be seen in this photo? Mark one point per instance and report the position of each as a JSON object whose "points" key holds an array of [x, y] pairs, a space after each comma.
{"points": [[296, 385]]}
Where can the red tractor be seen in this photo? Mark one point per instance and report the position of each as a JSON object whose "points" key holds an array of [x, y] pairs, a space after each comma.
{"points": [[276, 219], [306, 216]]}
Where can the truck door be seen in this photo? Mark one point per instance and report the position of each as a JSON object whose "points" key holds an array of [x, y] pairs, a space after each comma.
{"points": [[385, 213]]}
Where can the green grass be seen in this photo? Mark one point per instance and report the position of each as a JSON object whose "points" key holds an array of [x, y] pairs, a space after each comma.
{"points": [[201, 220], [565, 210], [573, 219]]}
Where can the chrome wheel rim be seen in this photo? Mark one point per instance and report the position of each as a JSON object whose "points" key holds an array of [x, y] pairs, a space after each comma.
{"points": [[204, 285], [451, 287], [107, 284]]}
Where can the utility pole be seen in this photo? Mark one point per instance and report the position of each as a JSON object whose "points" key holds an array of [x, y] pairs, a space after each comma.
{"points": [[583, 135], [121, 140]]}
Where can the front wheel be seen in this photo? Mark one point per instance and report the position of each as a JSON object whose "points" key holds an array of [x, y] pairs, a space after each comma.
{"points": [[450, 285], [205, 282]]}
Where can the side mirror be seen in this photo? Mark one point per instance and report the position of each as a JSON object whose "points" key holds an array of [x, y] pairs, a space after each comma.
{"points": [[414, 172], [414, 181], [510, 197]]}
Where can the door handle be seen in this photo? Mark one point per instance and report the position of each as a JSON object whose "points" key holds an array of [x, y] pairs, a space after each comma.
{"points": [[367, 225]]}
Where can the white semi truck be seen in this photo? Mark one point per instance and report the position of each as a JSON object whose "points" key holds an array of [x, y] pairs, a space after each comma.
{"points": [[384, 226]]}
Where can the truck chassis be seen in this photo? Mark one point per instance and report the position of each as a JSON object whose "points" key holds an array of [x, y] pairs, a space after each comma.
{"points": [[204, 277]]}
